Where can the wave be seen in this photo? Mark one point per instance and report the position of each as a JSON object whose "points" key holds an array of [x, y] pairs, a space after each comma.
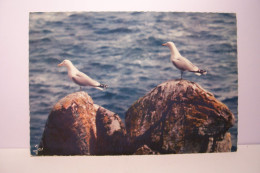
{"points": [[122, 97], [36, 70], [151, 41], [221, 48], [229, 15], [205, 35], [116, 108], [103, 66], [113, 31], [231, 100], [144, 78], [129, 90], [44, 31], [107, 96], [42, 40], [65, 55], [51, 60], [76, 16], [54, 23], [136, 13], [87, 25]]}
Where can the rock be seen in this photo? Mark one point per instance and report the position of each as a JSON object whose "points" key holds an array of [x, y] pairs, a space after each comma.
{"points": [[77, 126], [223, 145], [145, 150], [175, 117], [179, 116], [111, 133], [71, 127]]}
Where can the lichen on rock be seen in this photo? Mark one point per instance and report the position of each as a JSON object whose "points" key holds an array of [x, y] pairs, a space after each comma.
{"points": [[178, 116], [145, 150], [77, 126], [70, 128], [111, 133]]}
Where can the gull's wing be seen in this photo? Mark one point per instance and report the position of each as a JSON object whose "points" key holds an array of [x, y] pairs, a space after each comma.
{"points": [[184, 64], [84, 80]]}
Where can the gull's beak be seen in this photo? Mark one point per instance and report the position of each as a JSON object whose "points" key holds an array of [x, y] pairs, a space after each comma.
{"points": [[59, 65], [164, 44]]}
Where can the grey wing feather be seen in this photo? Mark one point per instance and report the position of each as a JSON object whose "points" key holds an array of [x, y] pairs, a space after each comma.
{"points": [[83, 80], [79, 81], [184, 64]]}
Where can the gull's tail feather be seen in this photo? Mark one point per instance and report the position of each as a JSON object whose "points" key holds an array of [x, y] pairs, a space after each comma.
{"points": [[200, 72], [204, 72], [99, 88], [102, 87], [196, 73]]}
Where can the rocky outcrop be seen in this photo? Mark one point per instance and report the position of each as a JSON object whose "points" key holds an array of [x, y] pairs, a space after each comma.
{"points": [[224, 144], [179, 116], [111, 133], [70, 128], [76, 126]]}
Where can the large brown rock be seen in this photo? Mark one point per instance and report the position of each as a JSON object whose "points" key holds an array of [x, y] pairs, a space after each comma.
{"points": [[70, 128], [111, 133], [175, 117], [179, 116], [77, 126]]}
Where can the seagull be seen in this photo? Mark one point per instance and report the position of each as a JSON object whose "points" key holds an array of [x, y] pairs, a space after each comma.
{"points": [[80, 78], [182, 63]]}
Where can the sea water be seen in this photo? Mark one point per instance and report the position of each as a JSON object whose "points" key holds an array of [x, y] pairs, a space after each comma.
{"points": [[124, 50]]}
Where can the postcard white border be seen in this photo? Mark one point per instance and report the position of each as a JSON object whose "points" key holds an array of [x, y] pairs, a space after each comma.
{"points": [[14, 89]]}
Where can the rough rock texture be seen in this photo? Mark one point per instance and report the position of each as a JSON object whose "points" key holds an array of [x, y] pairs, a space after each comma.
{"points": [[223, 145], [175, 117], [77, 126], [111, 133], [145, 150], [70, 128], [179, 116]]}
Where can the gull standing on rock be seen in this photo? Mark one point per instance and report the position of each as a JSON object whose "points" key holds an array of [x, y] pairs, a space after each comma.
{"points": [[181, 62], [80, 78]]}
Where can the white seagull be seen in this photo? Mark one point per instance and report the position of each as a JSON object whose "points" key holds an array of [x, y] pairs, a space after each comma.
{"points": [[80, 78], [182, 63]]}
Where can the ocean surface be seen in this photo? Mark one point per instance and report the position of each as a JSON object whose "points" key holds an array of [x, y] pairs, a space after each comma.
{"points": [[124, 50]]}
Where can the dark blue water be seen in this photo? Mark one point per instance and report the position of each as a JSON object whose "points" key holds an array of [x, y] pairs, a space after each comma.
{"points": [[123, 50]]}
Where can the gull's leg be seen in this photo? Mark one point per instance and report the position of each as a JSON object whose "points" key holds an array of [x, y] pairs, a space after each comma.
{"points": [[181, 74], [80, 88]]}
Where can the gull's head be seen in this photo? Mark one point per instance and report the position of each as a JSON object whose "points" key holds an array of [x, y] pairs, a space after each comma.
{"points": [[173, 49], [65, 63], [169, 44]]}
